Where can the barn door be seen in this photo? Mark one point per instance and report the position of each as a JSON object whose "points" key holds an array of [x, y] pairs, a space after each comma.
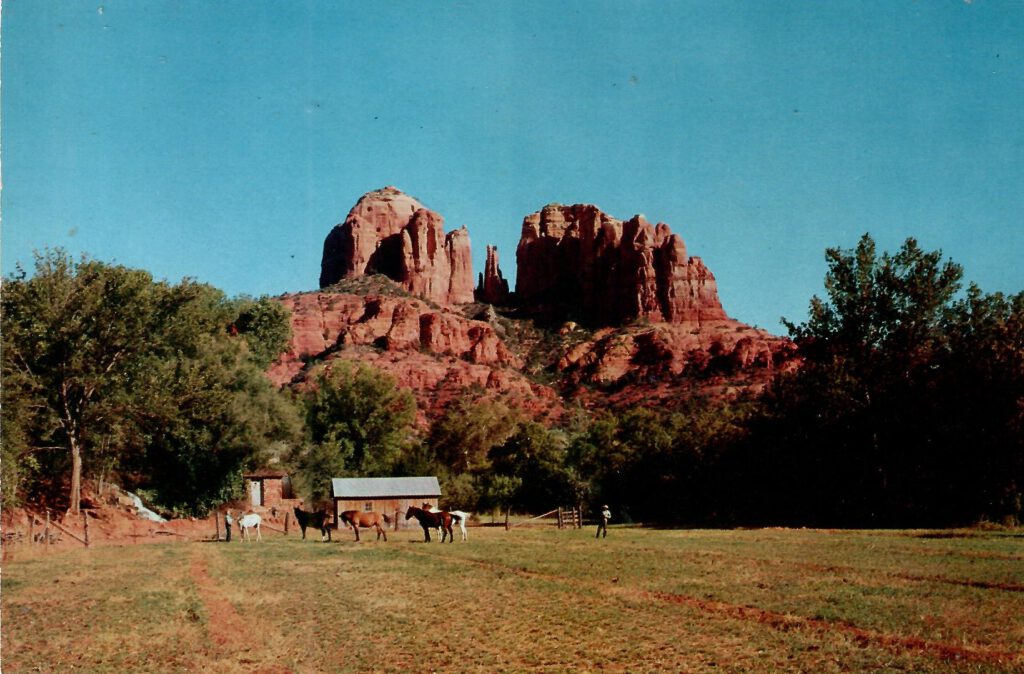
{"points": [[255, 493]]}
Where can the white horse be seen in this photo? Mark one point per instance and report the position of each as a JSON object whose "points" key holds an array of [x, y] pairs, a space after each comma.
{"points": [[459, 515], [250, 521]]}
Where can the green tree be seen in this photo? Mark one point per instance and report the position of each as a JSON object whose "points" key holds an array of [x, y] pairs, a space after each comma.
{"points": [[537, 456], [127, 375], [870, 430], [358, 421], [70, 332], [265, 325], [464, 435]]}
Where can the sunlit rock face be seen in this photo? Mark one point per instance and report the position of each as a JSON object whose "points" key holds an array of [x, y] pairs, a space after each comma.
{"points": [[388, 232]]}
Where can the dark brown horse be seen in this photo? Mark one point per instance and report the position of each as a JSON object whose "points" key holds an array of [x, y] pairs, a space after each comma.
{"points": [[356, 519], [317, 520], [441, 519]]}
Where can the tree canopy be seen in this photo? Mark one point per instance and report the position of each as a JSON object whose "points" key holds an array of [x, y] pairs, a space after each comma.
{"points": [[358, 423], [138, 378]]}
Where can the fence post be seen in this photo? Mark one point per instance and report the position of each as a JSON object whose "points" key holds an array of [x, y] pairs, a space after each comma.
{"points": [[287, 516], [85, 526], [31, 528], [46, 531]]}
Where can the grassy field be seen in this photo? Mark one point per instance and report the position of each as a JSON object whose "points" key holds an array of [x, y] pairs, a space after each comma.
{"points": [[538, 600]]}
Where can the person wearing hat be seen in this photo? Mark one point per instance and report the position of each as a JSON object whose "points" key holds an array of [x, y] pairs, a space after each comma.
{"points": [[602, 526]]}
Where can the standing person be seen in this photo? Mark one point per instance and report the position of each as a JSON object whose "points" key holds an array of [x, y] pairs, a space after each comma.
{"points": [[228, 521], [602, 526]]}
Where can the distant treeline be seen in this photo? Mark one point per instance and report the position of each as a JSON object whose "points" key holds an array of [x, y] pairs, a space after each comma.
{"points": [[908, 409]]}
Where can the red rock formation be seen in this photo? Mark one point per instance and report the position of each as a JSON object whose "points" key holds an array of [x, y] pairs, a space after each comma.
{"points": [[391, 233], [575, 261], [492, 287], [438, 354]]}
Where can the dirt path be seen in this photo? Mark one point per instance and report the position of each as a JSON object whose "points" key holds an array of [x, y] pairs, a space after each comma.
{"points": [[237, 644]]}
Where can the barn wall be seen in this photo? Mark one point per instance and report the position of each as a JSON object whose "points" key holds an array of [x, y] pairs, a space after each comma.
{"points": [[388, 506]]}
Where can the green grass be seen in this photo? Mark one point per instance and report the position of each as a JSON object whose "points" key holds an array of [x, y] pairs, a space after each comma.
{"points": [[531, 599]]}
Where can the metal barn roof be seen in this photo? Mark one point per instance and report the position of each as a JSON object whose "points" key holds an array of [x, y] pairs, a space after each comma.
{"points": [[384, 487]]}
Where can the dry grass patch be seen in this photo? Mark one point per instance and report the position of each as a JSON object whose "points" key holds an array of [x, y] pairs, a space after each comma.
{"points": [[536, 600]]}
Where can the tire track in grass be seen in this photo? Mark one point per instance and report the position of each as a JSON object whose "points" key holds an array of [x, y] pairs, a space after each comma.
{"points": [[843, 570], [773, 619], [232, 635], [863, 637]]}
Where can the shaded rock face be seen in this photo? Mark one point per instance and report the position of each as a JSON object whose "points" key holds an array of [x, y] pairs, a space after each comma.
{"points": [[492, 287], [391, 233], [578, 262]]}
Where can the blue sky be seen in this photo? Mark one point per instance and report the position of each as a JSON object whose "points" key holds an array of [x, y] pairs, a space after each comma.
{"points": [[223, 140]]}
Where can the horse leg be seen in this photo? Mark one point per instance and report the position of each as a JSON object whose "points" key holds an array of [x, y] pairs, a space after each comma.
{"points": [[259, 536], [380, 532], [355, 528], [426, 534]]}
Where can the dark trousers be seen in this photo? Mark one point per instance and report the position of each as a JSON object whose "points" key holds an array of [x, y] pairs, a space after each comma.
{"points": [[227, 528], [602, 528]]}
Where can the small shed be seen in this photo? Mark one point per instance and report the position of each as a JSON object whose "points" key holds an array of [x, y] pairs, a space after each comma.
{"points": [[268, 488], [391, 496]]}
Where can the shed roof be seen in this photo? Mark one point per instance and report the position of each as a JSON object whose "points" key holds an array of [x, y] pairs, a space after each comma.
{"points": [[384, 487]]}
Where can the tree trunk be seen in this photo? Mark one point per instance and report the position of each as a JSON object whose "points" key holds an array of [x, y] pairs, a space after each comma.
{"points": [[76, 474]]}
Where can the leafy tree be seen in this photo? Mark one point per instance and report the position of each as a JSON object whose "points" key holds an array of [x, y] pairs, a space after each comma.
{"points": [[464, 435], [215, 414], [976, 401], [265, 326], [874, 428], [70, 332], [500, 492], [118, 373], [537, 456], [359, 422]]}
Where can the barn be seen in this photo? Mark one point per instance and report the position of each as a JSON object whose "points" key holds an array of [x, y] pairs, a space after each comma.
{"points": [[391, 496]]}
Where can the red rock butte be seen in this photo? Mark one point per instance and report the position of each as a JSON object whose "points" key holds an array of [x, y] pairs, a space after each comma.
{"points": [[580, 263], [580, 270], [388, 232]]}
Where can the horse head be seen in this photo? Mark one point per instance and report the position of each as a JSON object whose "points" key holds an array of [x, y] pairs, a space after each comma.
{"points": [[411, 512]]}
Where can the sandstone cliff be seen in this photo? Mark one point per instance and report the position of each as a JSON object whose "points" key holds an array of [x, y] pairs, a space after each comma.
{"points": [[390, 233], [578, 262]]}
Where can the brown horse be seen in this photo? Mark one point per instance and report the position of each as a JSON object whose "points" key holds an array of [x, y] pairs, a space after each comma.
{"points": [[356, 519], [428, 520]]}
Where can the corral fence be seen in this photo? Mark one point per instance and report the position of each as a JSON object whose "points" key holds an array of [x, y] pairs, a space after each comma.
{"points": [[564, 517]]}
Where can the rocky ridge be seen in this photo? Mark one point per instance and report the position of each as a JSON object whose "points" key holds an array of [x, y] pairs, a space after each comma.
{"points": [[605, 312], [436, 352]]}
